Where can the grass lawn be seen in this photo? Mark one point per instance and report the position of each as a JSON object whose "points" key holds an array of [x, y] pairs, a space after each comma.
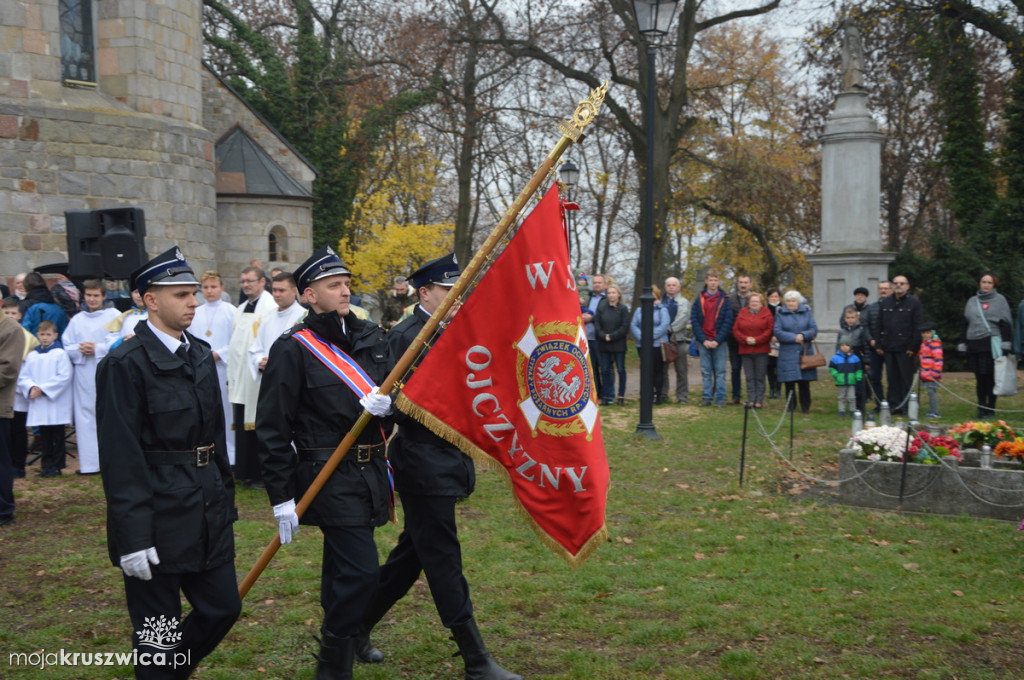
{"points": [[701, 578]]}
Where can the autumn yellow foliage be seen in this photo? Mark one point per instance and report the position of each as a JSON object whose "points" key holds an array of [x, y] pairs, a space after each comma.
{"points": [[384, 238], [394, 250]]}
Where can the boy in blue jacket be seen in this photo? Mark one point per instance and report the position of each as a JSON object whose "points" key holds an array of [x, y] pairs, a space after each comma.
{"points": [[847, 371]]}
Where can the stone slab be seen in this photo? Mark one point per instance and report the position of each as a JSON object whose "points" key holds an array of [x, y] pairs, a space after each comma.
{"points": [[994, 493]]}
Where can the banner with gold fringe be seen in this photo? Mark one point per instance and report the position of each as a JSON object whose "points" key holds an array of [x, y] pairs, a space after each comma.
{"points": [[518, 393]]}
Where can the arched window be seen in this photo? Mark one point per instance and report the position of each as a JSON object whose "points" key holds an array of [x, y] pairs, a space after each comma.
{"points": [[76, 42], [277, 244]]}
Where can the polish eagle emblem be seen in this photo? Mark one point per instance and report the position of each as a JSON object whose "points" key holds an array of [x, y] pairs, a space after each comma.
{"points": [[555, 382]]}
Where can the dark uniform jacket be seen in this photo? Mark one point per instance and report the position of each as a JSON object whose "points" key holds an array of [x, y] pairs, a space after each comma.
{"points": [[304, 402], [897, 325], [424, 463], [150, 402]]}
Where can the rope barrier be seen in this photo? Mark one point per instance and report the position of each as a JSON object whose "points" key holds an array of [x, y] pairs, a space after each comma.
{"points": [[968, 401], [759, 426]]}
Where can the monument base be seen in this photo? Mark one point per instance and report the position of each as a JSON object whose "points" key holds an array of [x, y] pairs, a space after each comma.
{"points": [[836, 275]]}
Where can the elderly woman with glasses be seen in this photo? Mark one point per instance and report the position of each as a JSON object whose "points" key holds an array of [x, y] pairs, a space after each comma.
{"points": [[795, 329]]}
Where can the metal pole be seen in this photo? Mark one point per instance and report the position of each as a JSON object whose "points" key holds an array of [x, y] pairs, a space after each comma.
{"points": [[646, 425], [743, 448], [792, 415], [903, 469]]}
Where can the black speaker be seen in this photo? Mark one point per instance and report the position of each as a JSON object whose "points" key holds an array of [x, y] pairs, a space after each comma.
{"points": [[108, 243]]}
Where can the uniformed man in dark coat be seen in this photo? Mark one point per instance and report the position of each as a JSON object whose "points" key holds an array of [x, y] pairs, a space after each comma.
{"points": [[320, 376], [170, 495], [431, 476]]}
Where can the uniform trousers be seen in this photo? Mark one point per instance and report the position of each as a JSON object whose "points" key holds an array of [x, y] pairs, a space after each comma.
{"points": [[899, 369], [348, 578], [213, 595], [429, 543], [247, 461], [6, 471]]}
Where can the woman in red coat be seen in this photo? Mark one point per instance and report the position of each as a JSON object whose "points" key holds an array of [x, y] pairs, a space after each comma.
{"points": [[753, 331]]}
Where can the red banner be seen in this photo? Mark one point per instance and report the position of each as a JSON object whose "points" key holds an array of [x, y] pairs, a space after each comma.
{"points": [[510, 384]]}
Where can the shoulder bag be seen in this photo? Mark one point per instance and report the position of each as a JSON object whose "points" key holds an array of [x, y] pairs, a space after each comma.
{"points": [[1005, 365], [812, 360]]}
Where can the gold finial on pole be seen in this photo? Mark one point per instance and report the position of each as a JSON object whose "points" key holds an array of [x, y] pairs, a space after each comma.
{"points": [[584, 114]]}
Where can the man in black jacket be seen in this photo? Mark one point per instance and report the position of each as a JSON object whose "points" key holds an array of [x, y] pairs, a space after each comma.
{"points": [[319, 377], [431, 476], [170, 495], [876, 360], [896, 331]]}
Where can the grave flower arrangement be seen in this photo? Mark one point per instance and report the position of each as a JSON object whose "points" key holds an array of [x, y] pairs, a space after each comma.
{"points": [[886, 443], [928, 449], [976, 433]]}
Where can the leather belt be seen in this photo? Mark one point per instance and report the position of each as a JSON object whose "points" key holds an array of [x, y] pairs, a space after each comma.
{"points": [[199, 456], [364, 453]]}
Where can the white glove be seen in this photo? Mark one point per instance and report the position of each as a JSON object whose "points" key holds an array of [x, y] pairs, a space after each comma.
{"points": [[137, 563], [376, 403], [287, 520]]}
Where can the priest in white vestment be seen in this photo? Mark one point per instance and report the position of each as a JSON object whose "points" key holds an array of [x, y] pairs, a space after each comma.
{"points": [[242, 389], [85, 341], [288, 313], [213, 322]]}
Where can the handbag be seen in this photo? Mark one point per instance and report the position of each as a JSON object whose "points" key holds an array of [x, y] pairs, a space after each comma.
{"points": [[1005, 376], [811, 360], [694, 351], [669, 351], [1004, 365]]}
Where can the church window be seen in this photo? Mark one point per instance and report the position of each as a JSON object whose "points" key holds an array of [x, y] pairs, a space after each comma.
{"points": [[277, 242], [77, 59]]}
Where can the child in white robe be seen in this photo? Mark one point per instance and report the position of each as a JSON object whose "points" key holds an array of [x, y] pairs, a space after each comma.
{"points": [[45, 380]]}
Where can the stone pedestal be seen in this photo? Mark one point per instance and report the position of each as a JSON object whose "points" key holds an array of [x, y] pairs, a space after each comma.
{"points": [[836, 275], [851, 237], [946, 489]]}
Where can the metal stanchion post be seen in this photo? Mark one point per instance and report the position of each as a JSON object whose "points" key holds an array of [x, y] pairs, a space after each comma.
{"points": [[906, 460], [743, 448]]}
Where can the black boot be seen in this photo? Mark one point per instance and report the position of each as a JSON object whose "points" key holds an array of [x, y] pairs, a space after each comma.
{"points": [[334, 662], [365, 651], [479, 664]]}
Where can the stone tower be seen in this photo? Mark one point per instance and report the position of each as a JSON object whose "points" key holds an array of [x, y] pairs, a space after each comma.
{"points": [[105, 104]]}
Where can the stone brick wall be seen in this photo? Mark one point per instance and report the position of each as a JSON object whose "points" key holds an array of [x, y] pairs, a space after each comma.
{"points": [[245, 224], [55, 157], [148, 55], [29, 49]]}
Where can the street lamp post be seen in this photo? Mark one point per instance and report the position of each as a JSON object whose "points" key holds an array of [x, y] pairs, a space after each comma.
{"points": [[570, 176], [653, 18]]}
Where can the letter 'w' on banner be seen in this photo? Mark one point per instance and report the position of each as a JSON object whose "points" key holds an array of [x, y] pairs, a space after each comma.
{"points": [[519, 393]]}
